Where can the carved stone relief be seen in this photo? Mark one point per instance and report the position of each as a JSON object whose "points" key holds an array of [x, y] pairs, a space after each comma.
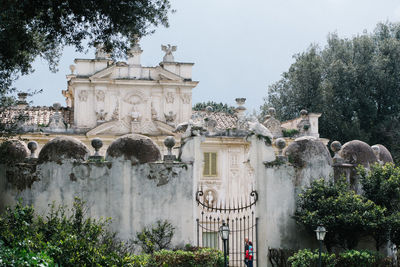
{"points": [[100, 95], [83, 95], [186, 98], [169, 97]]}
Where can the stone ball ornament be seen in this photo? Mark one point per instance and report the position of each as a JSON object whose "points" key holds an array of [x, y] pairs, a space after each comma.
{"points": [[209, 109], [32, 146], [336, 146], [97, 143], [303, 112], [169, 142], [271, 111], [56, 106], [280, 143]]}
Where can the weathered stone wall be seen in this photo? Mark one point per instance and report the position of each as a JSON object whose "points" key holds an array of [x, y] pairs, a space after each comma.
{"points": [[133, 194]]}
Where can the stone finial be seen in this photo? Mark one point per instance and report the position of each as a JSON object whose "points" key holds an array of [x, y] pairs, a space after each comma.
{"points": [[209, 110], [101, 53], [134, 53], [168, 49], [97, 144], [72, 68], [56, 106], [32, 146], [240, 101], [169, 142], [303, 113], [271, 112], [280, 144], [21, 103], [335, 147]]}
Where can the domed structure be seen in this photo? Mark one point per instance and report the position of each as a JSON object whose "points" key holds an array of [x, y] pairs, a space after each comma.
{"points": [[13, 151], [384, 154], [305, 150], [61, 148], [358, 152], [135, 147]]}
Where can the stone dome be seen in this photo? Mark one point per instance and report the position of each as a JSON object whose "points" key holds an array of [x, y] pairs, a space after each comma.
{"points": [[135, 147], [305, 150], [63, 147], [13, 151], [357, 152], [384, 154]]}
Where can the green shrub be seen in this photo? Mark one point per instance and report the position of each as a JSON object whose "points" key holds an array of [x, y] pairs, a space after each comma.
{"points": [[355, 258], [70, 240], [22, 257], [155, 237], [308, 258], [289, 132]]}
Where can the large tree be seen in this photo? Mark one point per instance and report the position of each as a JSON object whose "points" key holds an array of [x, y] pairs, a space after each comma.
{"points": [[31, 29], [354, 82]]}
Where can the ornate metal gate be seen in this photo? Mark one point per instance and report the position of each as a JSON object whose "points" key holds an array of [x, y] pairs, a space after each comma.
{"points": [[240, 218]]}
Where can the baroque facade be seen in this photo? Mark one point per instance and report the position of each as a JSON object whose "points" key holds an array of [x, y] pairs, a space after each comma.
{"points": [[216, 164]]}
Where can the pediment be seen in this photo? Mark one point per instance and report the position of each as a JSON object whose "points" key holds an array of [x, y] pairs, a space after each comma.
{"points": [[105, 73], [167, 75]]}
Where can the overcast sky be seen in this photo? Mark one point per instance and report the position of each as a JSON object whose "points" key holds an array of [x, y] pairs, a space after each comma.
{"points": [[239, 47]]}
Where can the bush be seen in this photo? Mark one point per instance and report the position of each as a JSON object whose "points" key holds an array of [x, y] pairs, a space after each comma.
{"points": [[155, 237], [202, 257], [69, 240], [23, 257], [348, 258], [355, 258], [308, 258]]}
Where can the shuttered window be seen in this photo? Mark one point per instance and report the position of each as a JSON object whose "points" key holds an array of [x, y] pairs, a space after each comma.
{"points": [[210, 164]]}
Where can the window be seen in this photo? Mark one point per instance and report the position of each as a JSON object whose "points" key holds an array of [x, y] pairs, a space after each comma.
{"points": [[210, 164]]}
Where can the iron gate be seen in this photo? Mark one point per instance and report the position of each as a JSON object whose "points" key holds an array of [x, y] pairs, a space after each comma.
{"points": [[242, 224]]}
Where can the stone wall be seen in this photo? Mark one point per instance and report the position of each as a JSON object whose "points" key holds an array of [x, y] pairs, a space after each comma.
{"points": [[134, 193]]}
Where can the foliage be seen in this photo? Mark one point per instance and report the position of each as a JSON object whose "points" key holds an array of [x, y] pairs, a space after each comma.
{"points": [[23, 257], [217, 107], [346, 215], [349, 258], [65, 235], [353, 82], [31, 29], [381, 184], [155, 237], [307, 258], [289, 132], [203, 257]]}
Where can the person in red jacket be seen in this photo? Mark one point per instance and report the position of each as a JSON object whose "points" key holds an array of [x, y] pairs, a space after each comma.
{"points": [[249, 254]]}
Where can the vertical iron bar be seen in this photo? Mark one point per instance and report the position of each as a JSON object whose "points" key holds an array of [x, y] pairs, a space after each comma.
{"points": [[218, 233], [227, 242], [257, 241], [214, 234], [198, 234], [241, 239]]}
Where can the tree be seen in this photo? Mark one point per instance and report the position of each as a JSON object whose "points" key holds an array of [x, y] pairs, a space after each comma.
{"points": [[31, 29], [355, 83], [217, 107], [346, 215], [381, 184]]}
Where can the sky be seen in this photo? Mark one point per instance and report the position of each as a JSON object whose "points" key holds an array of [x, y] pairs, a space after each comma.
{"points": [[239, 47]]}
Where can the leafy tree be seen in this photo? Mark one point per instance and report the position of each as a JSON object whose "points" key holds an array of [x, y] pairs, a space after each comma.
{"points": [[354, 82], [155, 237], [217, 107], [30, 29], [346, 215]]}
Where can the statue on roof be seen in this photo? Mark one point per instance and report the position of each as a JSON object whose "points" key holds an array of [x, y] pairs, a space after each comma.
{"points": [[168, 49]]}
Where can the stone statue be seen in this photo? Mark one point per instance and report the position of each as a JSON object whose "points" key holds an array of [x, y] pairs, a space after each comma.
{"points": [[210, 198], [168, 49], [101, 115], [273, 124], [57, 123], [170, 118]]}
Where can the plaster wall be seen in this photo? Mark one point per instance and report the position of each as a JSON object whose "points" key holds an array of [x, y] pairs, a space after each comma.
{"points": [[134, 196]]}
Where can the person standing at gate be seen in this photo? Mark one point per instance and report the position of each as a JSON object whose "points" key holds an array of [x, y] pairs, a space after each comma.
{"points": [[246, 248], [249, 254]]}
